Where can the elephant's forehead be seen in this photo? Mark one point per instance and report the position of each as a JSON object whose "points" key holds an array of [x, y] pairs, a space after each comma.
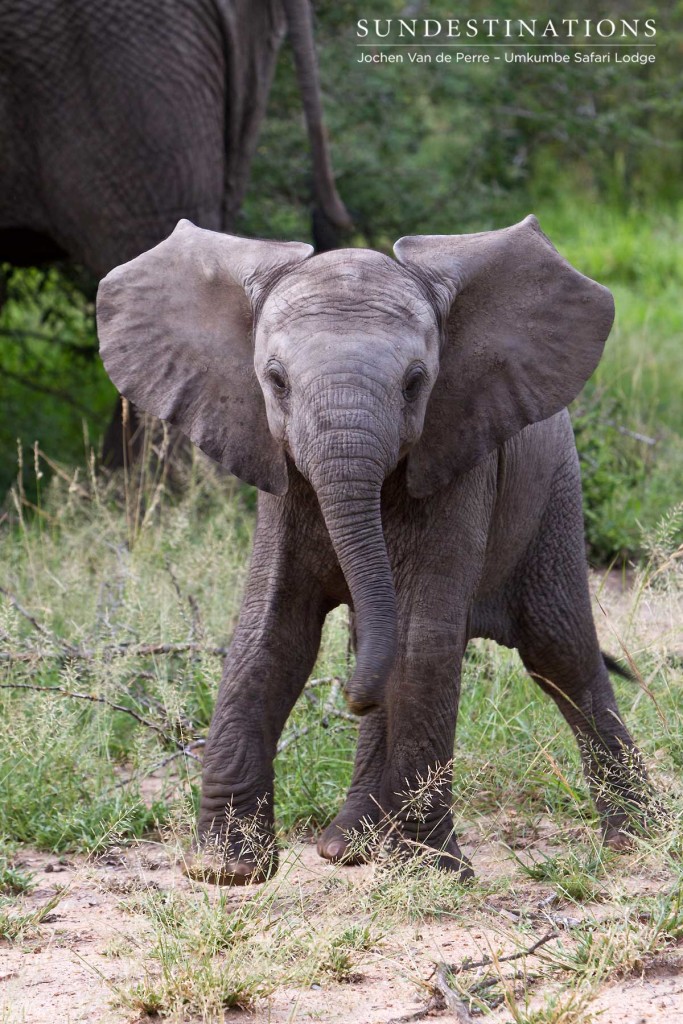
{"points": [[357, 283]]}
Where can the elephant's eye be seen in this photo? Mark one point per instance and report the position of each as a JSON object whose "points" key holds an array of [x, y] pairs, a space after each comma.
{"points": [[277, 378], [412, 382]]}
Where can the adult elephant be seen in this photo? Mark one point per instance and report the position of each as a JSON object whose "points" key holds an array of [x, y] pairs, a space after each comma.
{"points": [[118, 118]]}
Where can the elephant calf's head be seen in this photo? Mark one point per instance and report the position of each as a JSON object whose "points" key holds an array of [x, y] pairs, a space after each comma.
{"points": [[348, 361]]}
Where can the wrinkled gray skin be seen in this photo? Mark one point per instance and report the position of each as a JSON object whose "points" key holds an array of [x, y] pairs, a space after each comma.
{"points": [[405, 421], [119, 117]]}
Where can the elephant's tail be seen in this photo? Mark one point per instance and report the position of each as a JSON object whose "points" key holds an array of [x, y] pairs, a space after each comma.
{"points": [[612, 665], [299, 16]]}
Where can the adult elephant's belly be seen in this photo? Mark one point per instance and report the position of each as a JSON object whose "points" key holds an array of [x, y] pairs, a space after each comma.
{"points": [[26, 247], [535, 467]]}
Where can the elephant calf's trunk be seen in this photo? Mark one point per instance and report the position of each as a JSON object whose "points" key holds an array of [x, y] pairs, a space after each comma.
{"points": [[355, 526]]}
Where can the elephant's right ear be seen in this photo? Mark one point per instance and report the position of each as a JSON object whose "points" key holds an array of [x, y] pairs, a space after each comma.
{"points": [[175, 329]]}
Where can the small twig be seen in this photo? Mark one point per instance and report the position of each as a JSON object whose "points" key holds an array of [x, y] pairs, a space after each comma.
{"points": [[184, 752], [43, 389], [32, 619], [321, 681], [434, 1004], [108, 650], [298, 734], [561, 920], [643, 438]]}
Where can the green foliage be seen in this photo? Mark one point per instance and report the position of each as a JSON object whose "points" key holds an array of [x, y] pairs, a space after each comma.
{"points": [[575, 875], [72, 769], [53, 388], [624, 482], [426, 148]]}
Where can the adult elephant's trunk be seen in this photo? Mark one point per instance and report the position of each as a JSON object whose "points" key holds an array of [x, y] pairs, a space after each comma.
{"points": [[351, 509], [300, 25]]}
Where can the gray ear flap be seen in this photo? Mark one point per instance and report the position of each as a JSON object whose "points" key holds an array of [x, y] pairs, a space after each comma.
{"points": [[175, 328], [524, 331]]}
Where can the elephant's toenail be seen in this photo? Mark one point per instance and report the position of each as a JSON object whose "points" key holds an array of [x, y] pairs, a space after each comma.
{"points": [[334, 850]]}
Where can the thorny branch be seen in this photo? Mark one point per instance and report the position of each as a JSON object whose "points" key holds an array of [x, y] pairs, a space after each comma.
{"points": [[487, 961], [33, 621], [328, 710]]}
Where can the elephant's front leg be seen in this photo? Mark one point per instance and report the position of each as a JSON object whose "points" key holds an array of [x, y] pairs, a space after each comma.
{"points": [[416, 788], [401, 787], [353, 832], [271, 656]]}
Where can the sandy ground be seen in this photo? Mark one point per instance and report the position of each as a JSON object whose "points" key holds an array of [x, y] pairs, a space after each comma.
{"points": [[68, 970], [68, 973]]}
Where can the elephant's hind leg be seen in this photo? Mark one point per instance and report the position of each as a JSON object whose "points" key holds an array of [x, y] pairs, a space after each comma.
{"points": [[557, 640]]}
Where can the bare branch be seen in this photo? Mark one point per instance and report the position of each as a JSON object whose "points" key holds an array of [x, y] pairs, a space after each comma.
{"points": [[43, 389]]}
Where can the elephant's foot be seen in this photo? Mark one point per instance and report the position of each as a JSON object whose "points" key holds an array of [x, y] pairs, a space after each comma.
{"points": [[617, 839], [451, 858], [243, 853], [358, 831], [353, 834], [445, 855], [210, 864], [620, 829], [629, 813]]}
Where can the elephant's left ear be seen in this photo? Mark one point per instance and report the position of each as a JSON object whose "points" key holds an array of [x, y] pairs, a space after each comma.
{"points": [[175, 329], [524, 332]]}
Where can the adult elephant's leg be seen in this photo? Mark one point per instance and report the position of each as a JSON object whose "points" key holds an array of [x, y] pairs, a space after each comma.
{"points": [[271, 656], [558, 644]]}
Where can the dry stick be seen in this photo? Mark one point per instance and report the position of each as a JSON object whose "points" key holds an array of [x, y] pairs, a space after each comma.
{"points": [[443, 998], [446, 998], [99, 700], [434, 1004], [487, 961], [185, 752], [451, 999], [71, 481], [87, 654]]}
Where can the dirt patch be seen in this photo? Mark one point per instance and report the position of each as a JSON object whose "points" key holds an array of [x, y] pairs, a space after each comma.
{"points": [[92, 945]]}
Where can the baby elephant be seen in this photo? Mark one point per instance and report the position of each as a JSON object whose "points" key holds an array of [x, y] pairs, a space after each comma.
{"points": [[405, 423]]}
